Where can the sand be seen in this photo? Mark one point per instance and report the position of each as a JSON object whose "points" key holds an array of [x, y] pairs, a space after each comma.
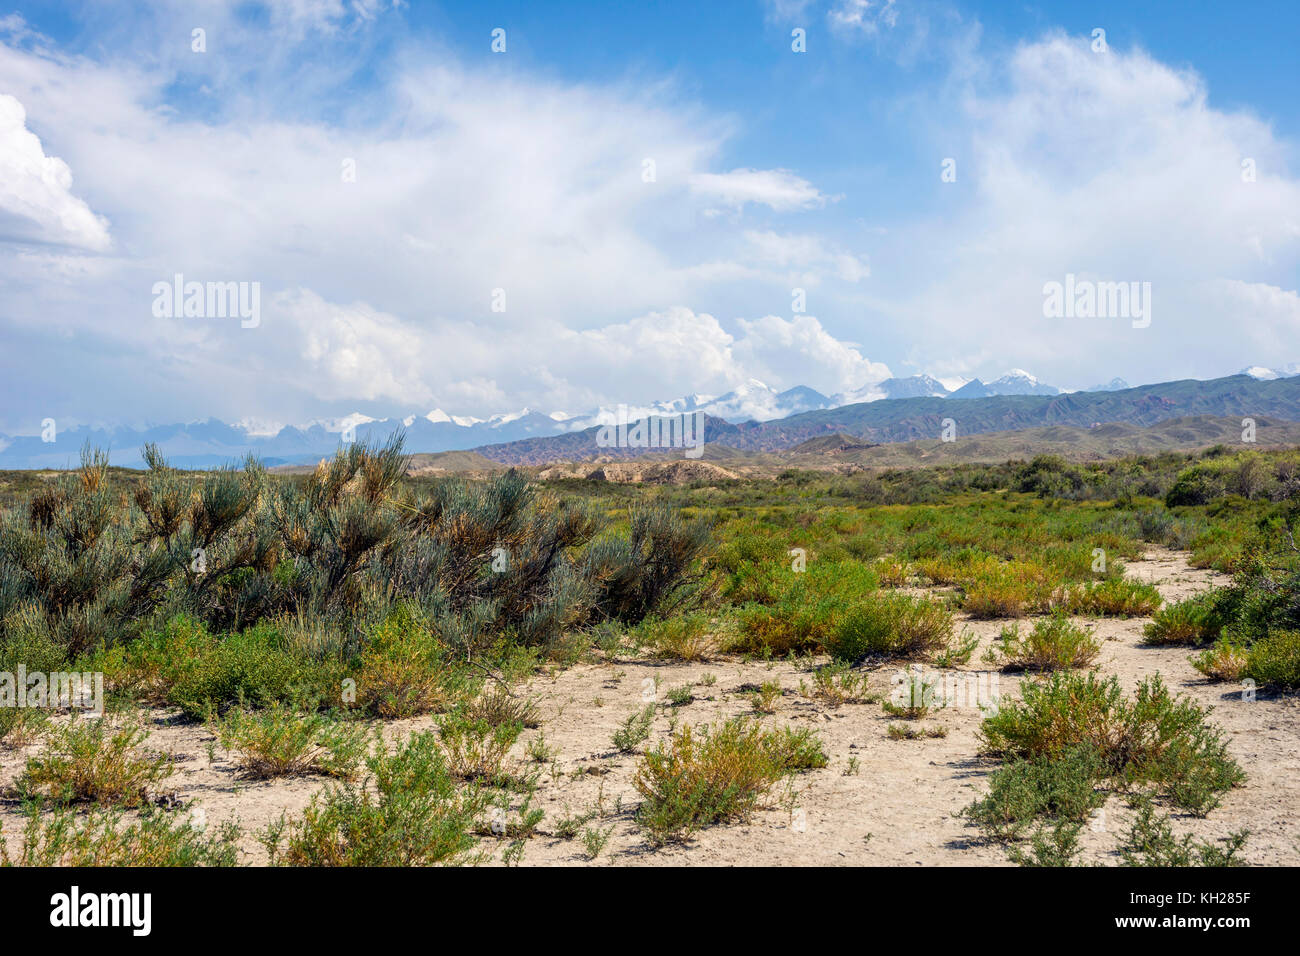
{"points": [[879, 802]]}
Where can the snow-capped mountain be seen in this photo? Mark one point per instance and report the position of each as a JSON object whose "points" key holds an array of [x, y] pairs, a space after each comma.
{"points": [[1015, 382], [751, 401], [209, 443], [1263, 374], [1116, 384], [914, 386]]}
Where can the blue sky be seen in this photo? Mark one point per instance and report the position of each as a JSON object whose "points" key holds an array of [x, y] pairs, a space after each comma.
{"points": [[129, 157]]}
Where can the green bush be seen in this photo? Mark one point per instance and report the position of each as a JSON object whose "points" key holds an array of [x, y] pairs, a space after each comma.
{"points": [[1114, 597], [1054, 642], [412, 814], [707, 776], [893, 625], [1184, 622], [106, 838], [1275, 661], [1152, 739]]}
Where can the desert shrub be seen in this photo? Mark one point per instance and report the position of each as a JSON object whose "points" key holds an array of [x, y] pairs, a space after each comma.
{"points": [[1198, 485], [250, 668], [635, 730], [1225, 659], [1114, 597], [685, 637], [894, 625], [411, 814], [1274, 661], [475, 748], [1053, 642], [807, 611], [276, 742], [59, 836], [68, 559], [403, 671], [891, 572], [1151, 842], [89, 761], [701, 777], [1025, 793], [1153, 739], [1183, 622], [499, 706], [652, 570], [1011, 590]]}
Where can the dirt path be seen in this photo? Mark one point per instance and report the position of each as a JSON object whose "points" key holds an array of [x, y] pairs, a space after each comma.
{"points": [[880, 801]]}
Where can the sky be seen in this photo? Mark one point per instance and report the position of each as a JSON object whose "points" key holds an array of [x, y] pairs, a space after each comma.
{"points": [[486, 206]]}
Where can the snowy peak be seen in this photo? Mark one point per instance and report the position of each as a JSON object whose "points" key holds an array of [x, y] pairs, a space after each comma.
{"points": [[1116, 384], [1015, 382], [1263, 374]]}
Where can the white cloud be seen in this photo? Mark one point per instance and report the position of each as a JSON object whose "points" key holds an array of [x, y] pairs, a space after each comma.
{"points": [[866, 16], [36, 200], [1112, 166], [779, 189], [799, 350], [808, 252]]}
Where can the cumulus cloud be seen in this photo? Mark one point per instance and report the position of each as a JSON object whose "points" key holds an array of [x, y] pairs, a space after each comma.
{"points": [[799, 349], [1112, 166], [36, 199]]}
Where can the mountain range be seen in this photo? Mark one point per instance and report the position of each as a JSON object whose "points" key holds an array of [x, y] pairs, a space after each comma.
{"points": [[752, 416]]}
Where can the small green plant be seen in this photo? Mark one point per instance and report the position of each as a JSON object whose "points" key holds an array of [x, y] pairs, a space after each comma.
{"points": [[498, 706], [685, 637], [838, 684], [277, 742], [959, 655], [906, 732], [1054, 642], [594, 840], [1183, 622], [701, 777], [88, 761], [412, 814], [476, 749], [106, 838], [766, 698], [915, 696], [635, 730], [680, 696], [1225, 659], [1151, 842], [568, 827]]}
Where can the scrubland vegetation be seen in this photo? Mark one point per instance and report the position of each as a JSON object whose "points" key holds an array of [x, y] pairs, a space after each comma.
{"points": [[296, 617]]}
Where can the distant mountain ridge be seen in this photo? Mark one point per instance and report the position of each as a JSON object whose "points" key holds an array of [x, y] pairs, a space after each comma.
{"points": [[912, 419], [753, 416]]}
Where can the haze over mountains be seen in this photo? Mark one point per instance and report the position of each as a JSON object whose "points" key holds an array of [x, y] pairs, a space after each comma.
{"points": [[752, 417]]}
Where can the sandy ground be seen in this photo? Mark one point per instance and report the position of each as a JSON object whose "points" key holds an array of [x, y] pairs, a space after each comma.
{"points": [[879, 802]]}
